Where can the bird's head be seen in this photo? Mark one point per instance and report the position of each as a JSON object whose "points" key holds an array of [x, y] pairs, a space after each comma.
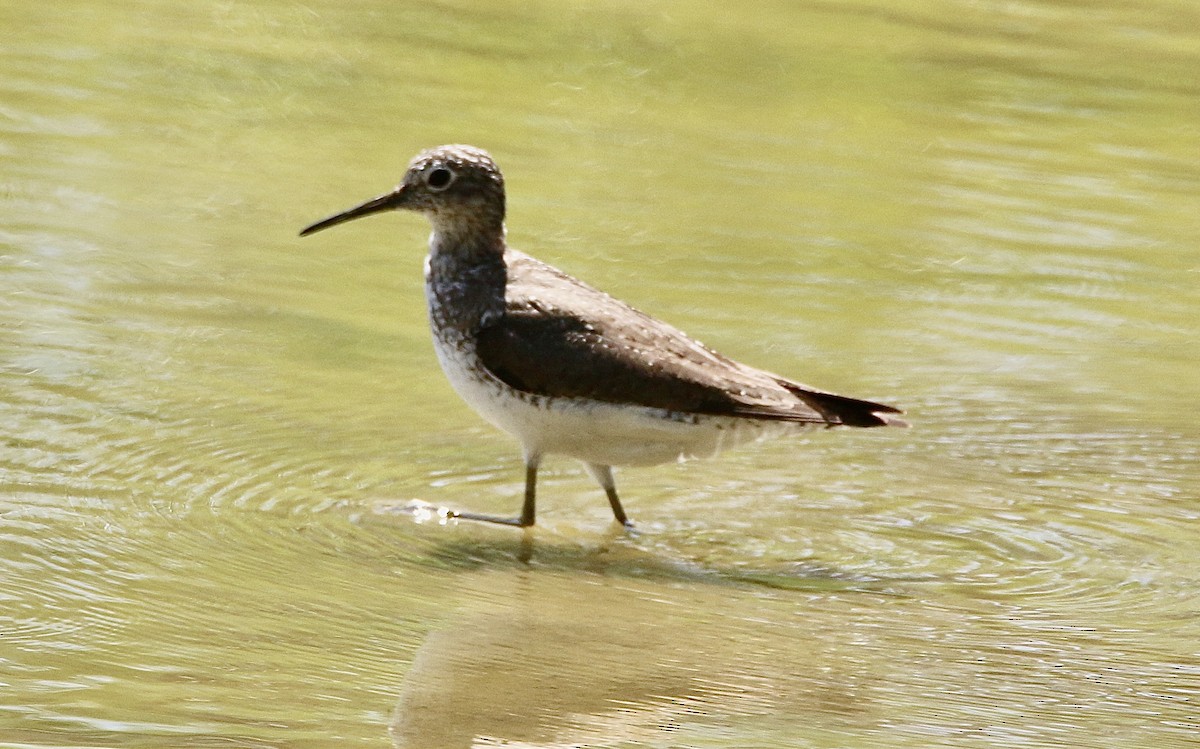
{"points": [[456, 187]]}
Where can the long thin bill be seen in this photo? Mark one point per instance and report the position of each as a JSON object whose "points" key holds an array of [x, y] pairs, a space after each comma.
{"points": [[385, 202]]}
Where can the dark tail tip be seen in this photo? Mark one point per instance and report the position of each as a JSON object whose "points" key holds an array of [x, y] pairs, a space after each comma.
{"points": [[851, 412]]}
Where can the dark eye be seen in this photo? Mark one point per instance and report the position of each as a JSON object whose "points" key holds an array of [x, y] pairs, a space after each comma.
{"points": [[439, 178]]}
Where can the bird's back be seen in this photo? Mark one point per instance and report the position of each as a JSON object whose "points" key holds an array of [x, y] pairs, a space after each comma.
{"points": [[562, 338]]}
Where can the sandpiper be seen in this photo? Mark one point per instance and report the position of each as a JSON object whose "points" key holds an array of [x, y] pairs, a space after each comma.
{"points": [[567, 369]]}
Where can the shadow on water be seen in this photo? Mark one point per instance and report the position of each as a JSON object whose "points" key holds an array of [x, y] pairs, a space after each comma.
{"points": [[625, 559], [632, 555]]}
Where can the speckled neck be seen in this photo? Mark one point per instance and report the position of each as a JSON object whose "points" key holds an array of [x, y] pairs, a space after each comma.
{"points": [[465, 277]]}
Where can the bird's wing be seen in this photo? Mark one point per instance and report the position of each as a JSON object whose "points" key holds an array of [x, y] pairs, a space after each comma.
{"points": [[560, 337]]}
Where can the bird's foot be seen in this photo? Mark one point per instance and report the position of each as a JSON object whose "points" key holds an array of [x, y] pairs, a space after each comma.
{"points": [[423, 512], [514, 522]]}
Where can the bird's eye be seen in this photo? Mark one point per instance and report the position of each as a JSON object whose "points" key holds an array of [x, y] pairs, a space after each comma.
{"points": [[439, 178]]}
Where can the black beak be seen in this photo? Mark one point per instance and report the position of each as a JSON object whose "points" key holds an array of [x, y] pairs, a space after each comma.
{"points": [[386, 202]]}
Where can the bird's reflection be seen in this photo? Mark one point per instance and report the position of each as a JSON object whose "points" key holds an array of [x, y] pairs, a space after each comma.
{"points": [[552, 655]]}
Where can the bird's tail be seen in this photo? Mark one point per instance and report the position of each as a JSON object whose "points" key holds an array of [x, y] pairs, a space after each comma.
{"points": [[846, 411]]}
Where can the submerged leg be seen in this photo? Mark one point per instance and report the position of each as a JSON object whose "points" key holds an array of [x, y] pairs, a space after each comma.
{"points": [[527, 508], [604, 477]]}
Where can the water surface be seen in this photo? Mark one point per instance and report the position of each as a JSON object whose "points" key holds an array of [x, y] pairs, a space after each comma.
{"points": [[984, 213]]}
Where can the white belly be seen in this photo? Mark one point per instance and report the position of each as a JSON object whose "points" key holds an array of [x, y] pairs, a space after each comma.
{"points": [[592, 431]]}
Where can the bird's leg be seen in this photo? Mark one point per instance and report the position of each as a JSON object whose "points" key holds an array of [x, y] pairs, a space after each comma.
{"points": [[604, 477], [527, 508]]}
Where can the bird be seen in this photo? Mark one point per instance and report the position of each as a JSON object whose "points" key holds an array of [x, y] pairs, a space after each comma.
{"points": [[567, 369]]}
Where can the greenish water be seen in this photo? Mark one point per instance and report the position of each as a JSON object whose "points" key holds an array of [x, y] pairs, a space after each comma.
{"points": [[983, 212]]}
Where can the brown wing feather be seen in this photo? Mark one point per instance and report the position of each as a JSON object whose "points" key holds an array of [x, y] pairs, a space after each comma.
{"points": [[560, 337]]}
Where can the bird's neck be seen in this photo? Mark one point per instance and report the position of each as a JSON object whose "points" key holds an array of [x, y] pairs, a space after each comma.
{"points": [[465, 277]]}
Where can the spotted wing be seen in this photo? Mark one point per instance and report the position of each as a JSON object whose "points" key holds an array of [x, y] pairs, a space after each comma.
{"points": [[560, 337]]}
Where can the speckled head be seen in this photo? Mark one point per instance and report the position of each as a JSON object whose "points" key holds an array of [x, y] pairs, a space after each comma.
{"points": [[456, 187]]}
